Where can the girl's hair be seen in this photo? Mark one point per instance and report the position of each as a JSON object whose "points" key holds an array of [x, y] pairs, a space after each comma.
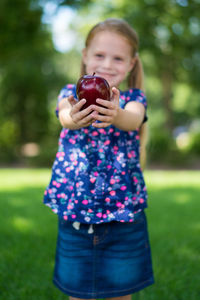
{"points": [[119, 26]]}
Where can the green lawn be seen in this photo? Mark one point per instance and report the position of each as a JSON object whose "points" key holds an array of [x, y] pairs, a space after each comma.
{"points": [[28, 236]]}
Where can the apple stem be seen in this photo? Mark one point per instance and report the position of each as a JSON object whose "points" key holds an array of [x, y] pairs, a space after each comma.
{"points": [[93, 74]]}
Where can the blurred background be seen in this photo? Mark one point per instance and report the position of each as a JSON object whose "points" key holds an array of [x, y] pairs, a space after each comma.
{"points": [[40, 51]]}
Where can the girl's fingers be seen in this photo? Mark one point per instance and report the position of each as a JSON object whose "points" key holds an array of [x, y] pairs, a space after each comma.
{"points": [[101, 125], [104, 113], [108, 112], [102, 110], [89, 119], [115, 95], [84, 117], [77, 112], [85, 113], [105, 103], [113, 101], [76, 108], [71, 100], [102, 118]]}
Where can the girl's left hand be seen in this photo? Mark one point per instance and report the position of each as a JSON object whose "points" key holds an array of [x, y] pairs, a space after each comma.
{"points": [[109, 112]]}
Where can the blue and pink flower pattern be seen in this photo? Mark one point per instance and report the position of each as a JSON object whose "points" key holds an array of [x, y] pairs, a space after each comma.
{"points": [[96, 175]]}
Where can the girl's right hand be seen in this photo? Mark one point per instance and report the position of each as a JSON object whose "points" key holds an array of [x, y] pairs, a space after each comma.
{"points": [[82, 118]]}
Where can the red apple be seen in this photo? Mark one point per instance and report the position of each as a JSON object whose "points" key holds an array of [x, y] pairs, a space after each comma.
{"points": [[91, 87]]}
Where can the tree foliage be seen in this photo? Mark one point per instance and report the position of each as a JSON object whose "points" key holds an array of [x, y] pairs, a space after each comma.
{"points": [[27, 74]]}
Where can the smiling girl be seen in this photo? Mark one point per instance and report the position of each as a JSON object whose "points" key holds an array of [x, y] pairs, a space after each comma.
{"points": [[97, 186]]}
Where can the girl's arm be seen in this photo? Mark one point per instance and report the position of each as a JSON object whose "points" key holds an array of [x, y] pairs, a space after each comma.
{"points": [[70, 115], [143, 143], [131, 117]]}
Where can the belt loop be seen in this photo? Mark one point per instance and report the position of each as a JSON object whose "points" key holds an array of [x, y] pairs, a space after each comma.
{"points": [[90, 230], [76, 225]]}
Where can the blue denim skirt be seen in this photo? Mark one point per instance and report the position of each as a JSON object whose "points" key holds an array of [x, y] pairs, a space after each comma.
{"points": [[103, 260]]}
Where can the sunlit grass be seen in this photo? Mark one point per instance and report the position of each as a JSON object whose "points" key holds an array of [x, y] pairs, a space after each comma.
{"points": [[172, 178], [22, 224], [28, 236], [18, 178]]}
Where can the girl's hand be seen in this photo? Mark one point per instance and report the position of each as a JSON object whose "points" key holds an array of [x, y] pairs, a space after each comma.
{"points": [[82, 118], [109, 112]]}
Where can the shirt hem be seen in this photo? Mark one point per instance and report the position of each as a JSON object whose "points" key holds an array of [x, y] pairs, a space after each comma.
{"points": [[96, 220]]}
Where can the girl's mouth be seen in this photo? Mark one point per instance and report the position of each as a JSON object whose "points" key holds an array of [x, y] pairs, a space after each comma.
{"points": [[104, 74]]}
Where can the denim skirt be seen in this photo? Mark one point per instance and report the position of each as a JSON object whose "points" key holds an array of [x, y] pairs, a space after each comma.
{"points": [[103, 260]]}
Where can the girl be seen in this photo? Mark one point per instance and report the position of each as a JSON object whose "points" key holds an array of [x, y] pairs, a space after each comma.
{"points": [[97, 187]]}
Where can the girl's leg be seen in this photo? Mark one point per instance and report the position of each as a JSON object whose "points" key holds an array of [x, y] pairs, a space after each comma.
{"points": [[127, 297], [73, 298]]}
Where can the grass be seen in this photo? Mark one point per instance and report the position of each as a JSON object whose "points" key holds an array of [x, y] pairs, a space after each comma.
{"points": [[28, 236]]}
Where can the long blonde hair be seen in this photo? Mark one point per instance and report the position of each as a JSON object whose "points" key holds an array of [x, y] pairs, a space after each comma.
{"points": [[135, 78]]}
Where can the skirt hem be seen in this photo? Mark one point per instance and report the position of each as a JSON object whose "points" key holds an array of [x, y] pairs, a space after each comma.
{"points": [[108, 294]]}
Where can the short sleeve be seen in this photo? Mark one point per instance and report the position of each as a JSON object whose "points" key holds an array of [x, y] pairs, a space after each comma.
{"points": [[69, 89], [138, 96]]}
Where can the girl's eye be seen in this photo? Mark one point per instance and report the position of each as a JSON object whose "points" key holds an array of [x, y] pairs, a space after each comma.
{"points": [[118, 58], [98, 55]]}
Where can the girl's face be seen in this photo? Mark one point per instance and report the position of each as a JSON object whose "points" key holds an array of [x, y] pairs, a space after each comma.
{"points": [[109, 56]]}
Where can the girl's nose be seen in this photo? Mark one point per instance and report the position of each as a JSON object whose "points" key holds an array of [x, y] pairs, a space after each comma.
{"points": [[107, 63]]}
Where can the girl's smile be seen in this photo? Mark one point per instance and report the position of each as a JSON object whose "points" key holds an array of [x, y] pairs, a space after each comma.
{"points": [[109, 56]]}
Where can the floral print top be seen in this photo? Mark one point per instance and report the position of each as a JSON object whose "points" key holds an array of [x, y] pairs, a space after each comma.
{"points": [[96, 175]]}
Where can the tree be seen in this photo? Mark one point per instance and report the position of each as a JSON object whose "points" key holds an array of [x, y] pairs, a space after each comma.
{"points": [[27, 74]]}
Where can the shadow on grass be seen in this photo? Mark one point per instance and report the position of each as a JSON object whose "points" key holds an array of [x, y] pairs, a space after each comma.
{"points": [[28, 239]]}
